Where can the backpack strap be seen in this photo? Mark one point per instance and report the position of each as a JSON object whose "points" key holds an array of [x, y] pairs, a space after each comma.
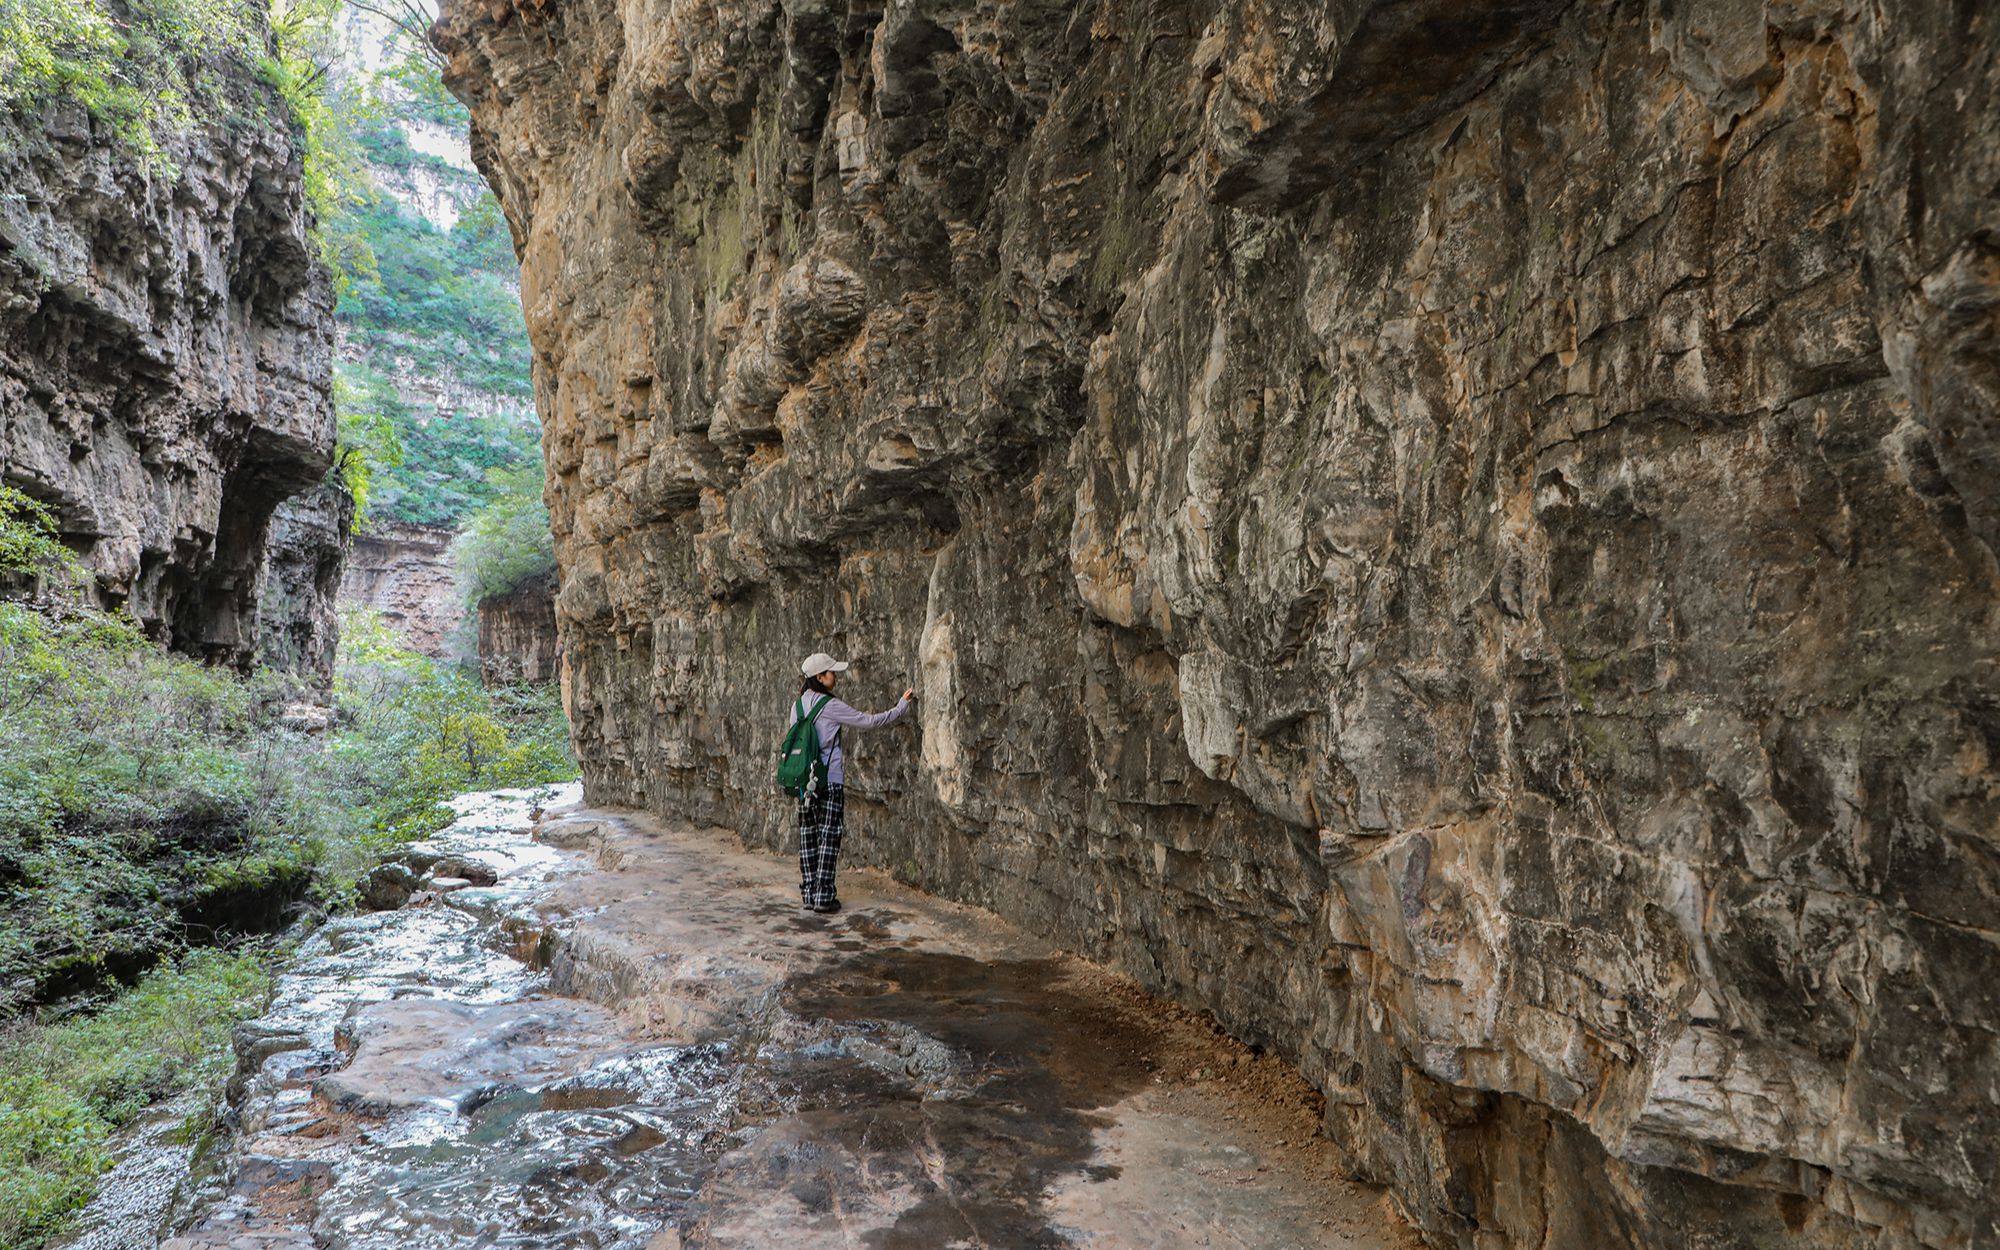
{"points": [[827, 743]]}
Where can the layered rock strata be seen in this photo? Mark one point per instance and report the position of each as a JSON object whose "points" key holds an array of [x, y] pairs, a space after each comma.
{"points": [[1459, 538], [165, 352], [517, 633], [298, 625], [404, 571]]}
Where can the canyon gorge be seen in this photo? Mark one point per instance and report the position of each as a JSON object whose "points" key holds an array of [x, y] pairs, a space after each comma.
{"points": [[1459, 538]]}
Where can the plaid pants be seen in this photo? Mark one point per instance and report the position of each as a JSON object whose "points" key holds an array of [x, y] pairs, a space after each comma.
{"points": [[820, 823]]}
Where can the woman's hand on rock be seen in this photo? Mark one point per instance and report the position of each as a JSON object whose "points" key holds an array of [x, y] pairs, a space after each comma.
{"points": [[909, 695]]}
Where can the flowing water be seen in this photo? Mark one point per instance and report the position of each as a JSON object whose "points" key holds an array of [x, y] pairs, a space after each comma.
{"points": [[543, 1148], [631, 1036]]}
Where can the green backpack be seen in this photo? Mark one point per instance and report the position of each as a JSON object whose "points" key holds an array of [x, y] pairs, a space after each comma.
{"points": [[799, 762]]}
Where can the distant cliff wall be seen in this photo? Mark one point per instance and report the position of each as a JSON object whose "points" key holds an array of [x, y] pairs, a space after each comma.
{"points": [[1458, 537], [165, 356], [517, 633], [404, 571], [298, 625]]}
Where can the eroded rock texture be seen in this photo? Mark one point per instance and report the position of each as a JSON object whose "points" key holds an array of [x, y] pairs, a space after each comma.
{"points": [[517, 633], [404, 571], [1458, 537], [297, 611], [165, 354]]}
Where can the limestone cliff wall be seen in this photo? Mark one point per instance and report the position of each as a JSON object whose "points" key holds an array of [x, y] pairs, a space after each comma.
{"points": [[1458, 537], [404, 571], [517, 633], [298, 625], [165, 356]]}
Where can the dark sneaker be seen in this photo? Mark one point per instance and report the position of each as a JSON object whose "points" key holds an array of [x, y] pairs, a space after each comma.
{"points": [[828, 907]]}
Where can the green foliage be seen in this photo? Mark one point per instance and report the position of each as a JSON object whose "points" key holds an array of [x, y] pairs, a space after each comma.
{"points": [[421, 732], [65, 1087], [437, 304], [428, 309], [507, 540], [49, 46], [152, 70], [366, 442], [128, 779], [326, 110], [147, 803], [139, 790], [420, 94], [441, 300], [147, 76], [441, 473], [28, 543]]}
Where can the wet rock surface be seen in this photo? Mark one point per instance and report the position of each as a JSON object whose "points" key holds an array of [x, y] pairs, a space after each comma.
{"points": [[166, 347], [635, 1038], [1458, 537]]}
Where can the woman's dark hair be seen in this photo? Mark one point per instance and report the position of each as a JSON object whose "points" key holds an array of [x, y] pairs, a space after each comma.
{"points": [[814, 683]]}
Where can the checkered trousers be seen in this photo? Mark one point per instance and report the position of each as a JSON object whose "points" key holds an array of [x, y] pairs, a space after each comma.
{"points": [[820, 823]]}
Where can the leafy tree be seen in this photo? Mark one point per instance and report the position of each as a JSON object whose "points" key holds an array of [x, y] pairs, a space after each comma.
{"points": [[366, 443], [28, 543], [507, 541], [414, 67]]}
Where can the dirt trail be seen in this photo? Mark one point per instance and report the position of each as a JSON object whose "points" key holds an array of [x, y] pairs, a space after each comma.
{"points": [[705, 1065]]}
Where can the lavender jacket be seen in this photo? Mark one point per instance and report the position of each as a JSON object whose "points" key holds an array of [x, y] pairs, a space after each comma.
{"points": [[836, 717]]}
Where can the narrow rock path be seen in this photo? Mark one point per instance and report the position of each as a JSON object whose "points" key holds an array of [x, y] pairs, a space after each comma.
{"points": [[635, 1037]]}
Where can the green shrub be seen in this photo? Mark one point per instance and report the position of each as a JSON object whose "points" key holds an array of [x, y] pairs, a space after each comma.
{"points": [[29, 546], [138, 788], [507, 541], [147, 77], [146, 800], [420, 732], [64, 1088]]}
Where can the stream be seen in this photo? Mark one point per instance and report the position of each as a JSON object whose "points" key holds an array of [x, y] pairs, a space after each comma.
{"points": [[500, 1162], [588, 1029]]}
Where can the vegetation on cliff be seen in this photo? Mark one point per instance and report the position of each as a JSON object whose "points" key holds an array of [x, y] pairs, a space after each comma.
{"points": [[435, 401], [434, 344], [153, 69], [507, 541]]}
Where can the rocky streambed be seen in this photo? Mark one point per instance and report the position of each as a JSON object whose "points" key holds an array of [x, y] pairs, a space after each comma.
{"points": [[592, 1030]]}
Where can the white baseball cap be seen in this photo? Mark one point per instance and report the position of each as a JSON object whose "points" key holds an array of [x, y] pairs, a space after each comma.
{"points": [[820, 662]]}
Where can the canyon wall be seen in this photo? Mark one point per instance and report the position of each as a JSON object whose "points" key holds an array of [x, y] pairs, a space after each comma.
{"points": [[298, 622], [165, 352], [517, 633], [404, 571], [1457, 537]]}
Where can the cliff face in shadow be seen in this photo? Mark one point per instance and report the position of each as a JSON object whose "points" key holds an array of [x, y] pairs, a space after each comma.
{"points": [[1459, 538], [298, 622], [165, 348]]}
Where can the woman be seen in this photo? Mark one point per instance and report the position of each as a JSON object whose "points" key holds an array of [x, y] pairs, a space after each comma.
{"points": [[820, 815]]}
